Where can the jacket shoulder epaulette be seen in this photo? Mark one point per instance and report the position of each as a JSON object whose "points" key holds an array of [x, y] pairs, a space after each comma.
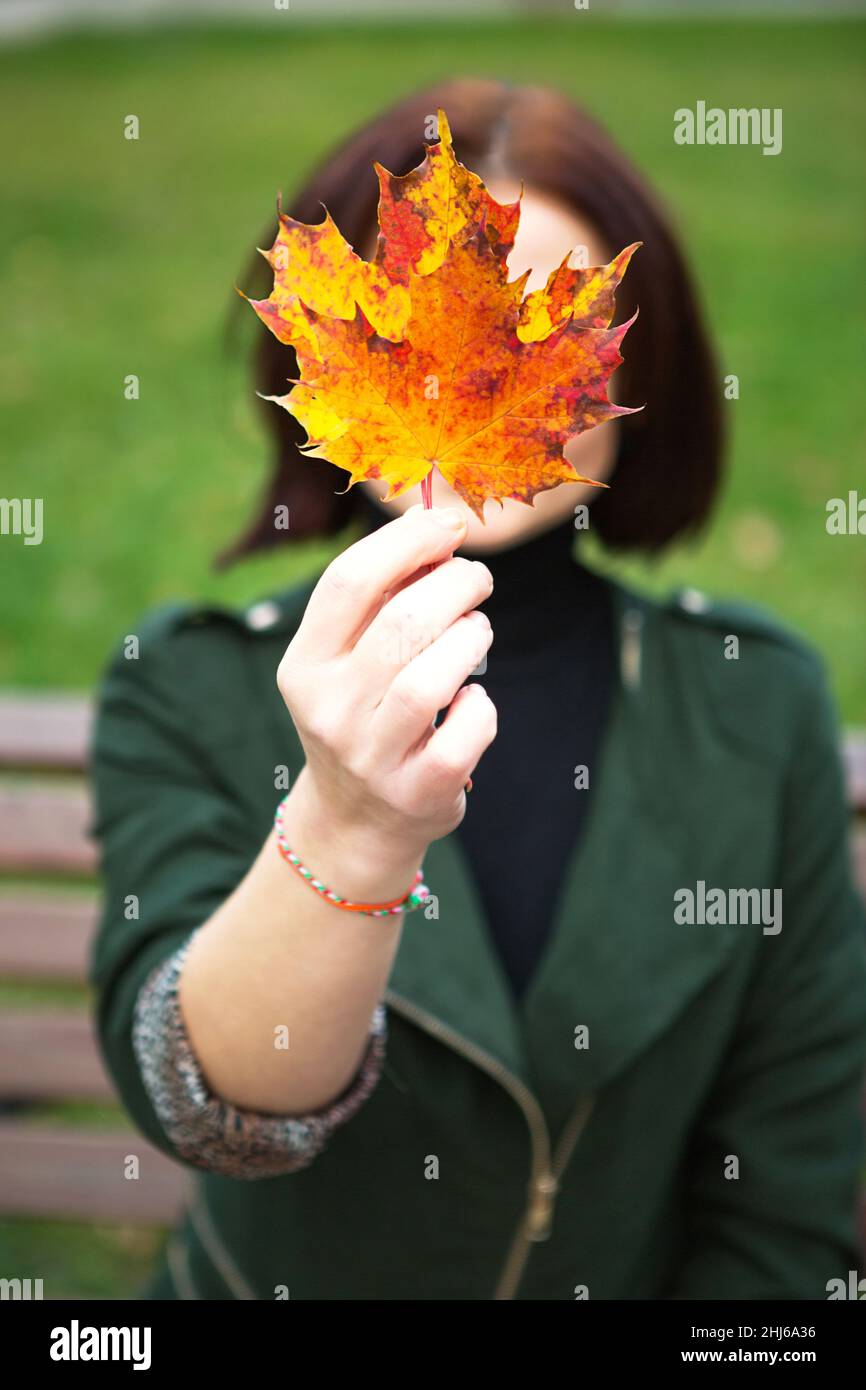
{"points": [[731, 617], [276, 615], [200, 665], [758, 680]]}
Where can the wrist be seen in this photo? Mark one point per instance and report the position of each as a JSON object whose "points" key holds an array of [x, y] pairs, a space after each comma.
{"points": [[358, 860]]}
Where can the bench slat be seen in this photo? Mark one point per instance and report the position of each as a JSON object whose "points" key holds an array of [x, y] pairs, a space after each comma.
{"points": [[858, 855], [48, 732], [854, 756], [45, 829], [44, 936], [76, 1174], [44, 731], [50, 1054]]}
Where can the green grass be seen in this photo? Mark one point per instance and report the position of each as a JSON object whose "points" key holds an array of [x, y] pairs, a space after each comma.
{"points": [[119, 257], [77, 1261]]}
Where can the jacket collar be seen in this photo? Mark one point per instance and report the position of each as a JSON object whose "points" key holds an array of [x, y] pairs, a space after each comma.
{"points": [[615, 962]]}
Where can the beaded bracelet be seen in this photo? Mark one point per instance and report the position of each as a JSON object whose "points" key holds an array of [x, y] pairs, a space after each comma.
{"points": [[414, 897]]}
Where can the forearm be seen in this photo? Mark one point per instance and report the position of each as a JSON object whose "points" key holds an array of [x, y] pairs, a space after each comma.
{"points": [[277, 962], [377, 656]]}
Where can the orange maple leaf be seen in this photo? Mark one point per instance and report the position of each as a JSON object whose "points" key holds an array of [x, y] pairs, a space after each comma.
{"points": [[428, 357]]}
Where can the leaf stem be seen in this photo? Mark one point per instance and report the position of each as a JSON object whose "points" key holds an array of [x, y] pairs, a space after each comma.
{"points": [[427, 499]]}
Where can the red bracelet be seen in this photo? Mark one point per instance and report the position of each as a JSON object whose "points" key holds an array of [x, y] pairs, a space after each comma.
{"points": [[414, 897]]}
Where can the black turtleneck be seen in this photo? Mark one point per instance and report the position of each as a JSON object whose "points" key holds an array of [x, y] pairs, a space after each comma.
{"points": [[550, 674]]}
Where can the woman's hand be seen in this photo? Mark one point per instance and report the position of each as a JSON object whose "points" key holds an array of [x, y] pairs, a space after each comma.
{"points": [[382, 647]]}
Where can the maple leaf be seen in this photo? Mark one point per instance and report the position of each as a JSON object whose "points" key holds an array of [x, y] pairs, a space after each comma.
{"points": [[428, 357], [421, 213], [316, 267]]}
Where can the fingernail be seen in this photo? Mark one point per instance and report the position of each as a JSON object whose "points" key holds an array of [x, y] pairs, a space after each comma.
{"points": [[479, 619], [451, 518]]}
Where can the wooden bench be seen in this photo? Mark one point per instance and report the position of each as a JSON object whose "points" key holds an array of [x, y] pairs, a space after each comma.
{"points": [[48, 909], [48, 1054]]}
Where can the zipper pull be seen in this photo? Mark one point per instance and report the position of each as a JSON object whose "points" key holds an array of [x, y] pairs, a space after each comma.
{"points": [[542, 1196]]}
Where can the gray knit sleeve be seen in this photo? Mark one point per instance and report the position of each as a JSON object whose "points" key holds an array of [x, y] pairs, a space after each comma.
{"points": [[210, 1132]]}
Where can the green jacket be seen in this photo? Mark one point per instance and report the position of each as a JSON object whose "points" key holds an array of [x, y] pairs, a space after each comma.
{"points": [[673, 1110]]}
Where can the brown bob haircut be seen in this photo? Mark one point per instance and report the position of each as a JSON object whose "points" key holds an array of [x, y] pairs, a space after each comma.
{"points": [[669, 460]]}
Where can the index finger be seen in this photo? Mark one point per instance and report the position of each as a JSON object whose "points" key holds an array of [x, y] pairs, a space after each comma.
{"points": [[350, 591]]}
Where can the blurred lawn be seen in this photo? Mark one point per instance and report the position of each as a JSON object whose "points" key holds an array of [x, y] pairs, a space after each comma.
{"points": [[119, 257], [76, 1261]]}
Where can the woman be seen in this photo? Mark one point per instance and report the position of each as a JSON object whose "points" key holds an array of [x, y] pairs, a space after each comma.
{"points": [[560, 1075]]}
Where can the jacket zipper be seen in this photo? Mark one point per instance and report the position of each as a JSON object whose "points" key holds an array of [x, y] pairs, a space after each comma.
{"points": [[177, 1258], [200, 1220], [546, 1172]]}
